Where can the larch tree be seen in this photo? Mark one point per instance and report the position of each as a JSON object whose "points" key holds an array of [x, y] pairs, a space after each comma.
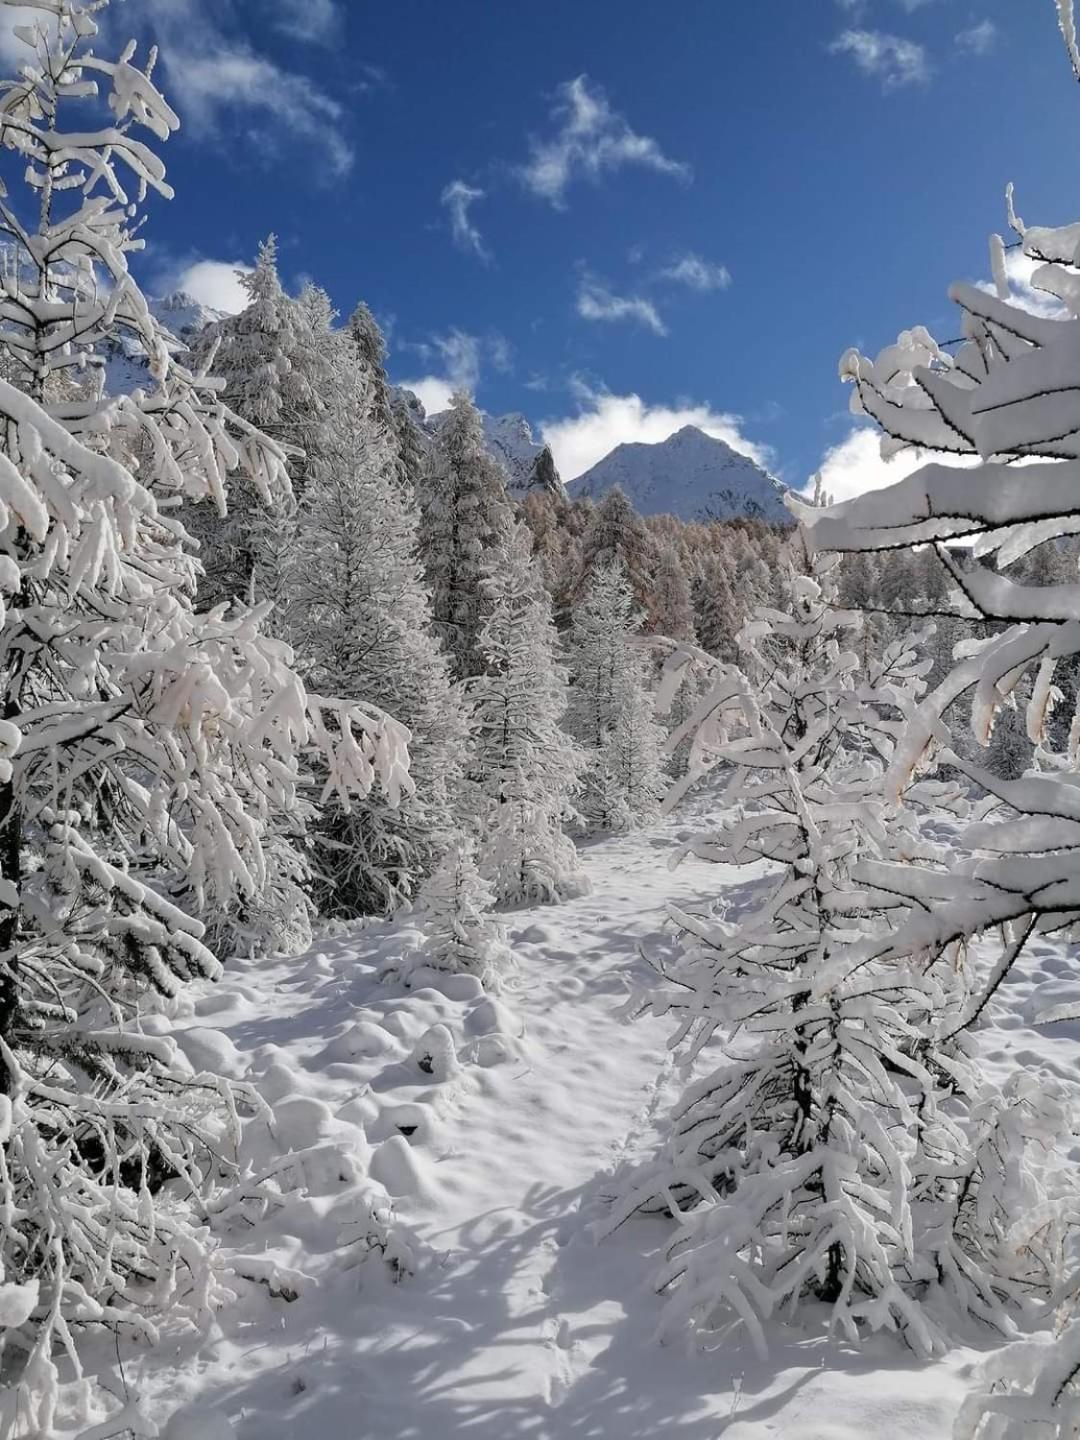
{"points": [[822, 1159], [611, 711], [142, 741], [526, 764], [1007, 396], [671, 608], [464, 514]]}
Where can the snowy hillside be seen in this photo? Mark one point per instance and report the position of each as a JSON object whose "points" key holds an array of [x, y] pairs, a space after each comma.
{"points": [[691, 475], [182, 316]]}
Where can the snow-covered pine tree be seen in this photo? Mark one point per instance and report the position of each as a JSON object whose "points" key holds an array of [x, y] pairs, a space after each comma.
{"points": [[464, 512], [462, 935], [141, 740], [387, 413], [275, 359], [615, 534], [527, 765], [717, 615], [611, 712], [809, 1164], [363, 624]]}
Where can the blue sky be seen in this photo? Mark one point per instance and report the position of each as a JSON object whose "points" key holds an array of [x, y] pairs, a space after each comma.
{"points": [[614, 215]]}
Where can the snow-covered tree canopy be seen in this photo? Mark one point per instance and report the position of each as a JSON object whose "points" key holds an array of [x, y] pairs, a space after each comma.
{"points": [[143, 746]]}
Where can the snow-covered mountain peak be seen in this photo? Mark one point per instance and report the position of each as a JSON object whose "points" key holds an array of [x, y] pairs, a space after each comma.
{"points": [[183, 315], [692, 475]]}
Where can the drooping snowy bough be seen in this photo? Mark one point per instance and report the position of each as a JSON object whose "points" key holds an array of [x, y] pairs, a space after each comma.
{"points": [[144, 747], [1010, 399]]}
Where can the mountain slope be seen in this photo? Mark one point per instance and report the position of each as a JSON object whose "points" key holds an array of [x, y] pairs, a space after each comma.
{"points": [[691, 475], [181, 314], [527, 463]]}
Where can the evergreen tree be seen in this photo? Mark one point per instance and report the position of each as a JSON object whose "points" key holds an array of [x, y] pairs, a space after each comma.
{"points": [[262, 357], [610, 711], [142, 743], [387, 413], [363, 624], [671, 610], [717, 613], [464, 513], [615, 534], [462, 935], [527, 764]]}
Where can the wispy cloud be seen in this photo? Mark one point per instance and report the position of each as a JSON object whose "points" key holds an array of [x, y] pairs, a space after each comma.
{"points": [[978, 39], [456, 360], [696, 273], [889, 58], [590, 139], [605, 420], [222, 85], [457, 198], [596, 302]]}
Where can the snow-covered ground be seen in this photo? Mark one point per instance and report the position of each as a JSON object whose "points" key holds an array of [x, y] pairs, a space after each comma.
{"points": [[513, 1321]]}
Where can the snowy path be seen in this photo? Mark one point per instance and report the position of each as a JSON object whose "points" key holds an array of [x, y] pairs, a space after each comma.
{"points": [[516, 1323]]}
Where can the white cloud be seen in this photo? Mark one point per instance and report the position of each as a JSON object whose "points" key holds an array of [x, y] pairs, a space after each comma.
{"points": [[978, 39], [605, 420], [433, 392], [892, 59], [855, 465], [457, 198], [214, 283], [208, 85], [591, 139], [596, 302], [460, 356], [315, 21], [697, 273]]}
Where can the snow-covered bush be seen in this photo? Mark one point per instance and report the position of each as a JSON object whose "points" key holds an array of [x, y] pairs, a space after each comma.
{"points": [[527, 766], [1028, 1391], [143, 745], [611, 711]]}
